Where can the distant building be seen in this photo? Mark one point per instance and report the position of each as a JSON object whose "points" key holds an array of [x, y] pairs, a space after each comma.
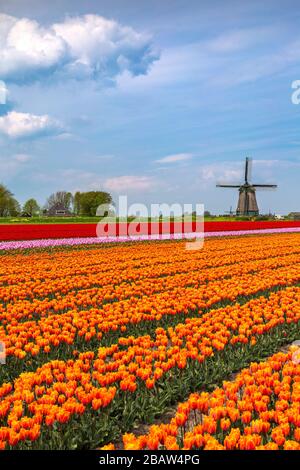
{"points": [[279, 217], [59, 210], [294, 215]]}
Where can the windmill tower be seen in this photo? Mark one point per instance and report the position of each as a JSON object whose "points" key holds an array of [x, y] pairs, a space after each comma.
{"points": [[247, 204]]}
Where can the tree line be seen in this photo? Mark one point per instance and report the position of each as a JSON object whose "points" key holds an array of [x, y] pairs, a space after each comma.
{"points": [[79, 204]]}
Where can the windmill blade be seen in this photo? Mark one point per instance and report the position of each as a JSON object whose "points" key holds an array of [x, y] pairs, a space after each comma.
{"points": [[228, 185], [246, 170], [264, 185]]}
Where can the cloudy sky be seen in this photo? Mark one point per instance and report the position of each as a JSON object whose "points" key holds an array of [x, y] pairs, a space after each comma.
{"points": [[155, 99]]}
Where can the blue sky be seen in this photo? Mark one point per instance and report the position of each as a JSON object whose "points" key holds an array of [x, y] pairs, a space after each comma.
{"points": [[156, 100]]}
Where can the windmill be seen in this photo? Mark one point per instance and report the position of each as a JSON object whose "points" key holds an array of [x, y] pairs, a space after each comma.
{"points": [[247, 204], [230, 212]]}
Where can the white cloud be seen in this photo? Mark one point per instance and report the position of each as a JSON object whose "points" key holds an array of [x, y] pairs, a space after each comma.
{"points": [[10, 166], [224, 172], [22, 157], [3, 92], [69, 179], [66, 136], [22, 125], [225, 60], [88, 46], [197, 62], [236, 40], [177, 157], [80, 180], [129, 183], [231, 172]]}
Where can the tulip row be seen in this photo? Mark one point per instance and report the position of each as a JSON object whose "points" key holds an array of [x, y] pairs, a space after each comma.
{"points": [[259, 410], [64, 272], [42, 240], [87, 397], [93, 295]]}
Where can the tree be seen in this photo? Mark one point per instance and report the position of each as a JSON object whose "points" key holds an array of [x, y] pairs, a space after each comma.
{"points": [[9, 206], [31, 207], [88, 203], [77, 203], [60, 197]]}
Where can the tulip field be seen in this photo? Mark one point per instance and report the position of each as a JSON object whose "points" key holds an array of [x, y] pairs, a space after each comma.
{"points": [[259, 410], [102, 339]]}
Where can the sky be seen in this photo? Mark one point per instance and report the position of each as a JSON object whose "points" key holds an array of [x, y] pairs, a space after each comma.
{"points": [[155, 100]]}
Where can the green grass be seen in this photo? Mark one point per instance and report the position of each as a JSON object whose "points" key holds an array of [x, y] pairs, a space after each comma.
{"points": [[48, 220], [93, 220]]}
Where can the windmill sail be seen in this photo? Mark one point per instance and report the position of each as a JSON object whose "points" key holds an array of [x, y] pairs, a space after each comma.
{"points": [[246, 170]]}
